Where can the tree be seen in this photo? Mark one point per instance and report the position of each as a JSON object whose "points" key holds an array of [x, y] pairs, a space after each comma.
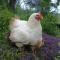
{"points": [[12, 4]]}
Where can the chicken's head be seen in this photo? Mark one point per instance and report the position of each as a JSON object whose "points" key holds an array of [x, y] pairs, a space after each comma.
{"points": [[36, 16]]}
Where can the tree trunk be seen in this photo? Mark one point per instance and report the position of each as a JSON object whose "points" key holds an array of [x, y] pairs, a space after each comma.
{"points": [[12, 4]]}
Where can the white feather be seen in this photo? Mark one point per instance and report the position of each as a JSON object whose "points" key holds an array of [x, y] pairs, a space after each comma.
{"points": [[25, 32]]}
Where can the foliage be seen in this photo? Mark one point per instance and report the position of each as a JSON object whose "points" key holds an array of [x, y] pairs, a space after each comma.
{"points": [[5, 16], [49, 24], [24, 15], [4, 3], [6, 52], [45, 6]]}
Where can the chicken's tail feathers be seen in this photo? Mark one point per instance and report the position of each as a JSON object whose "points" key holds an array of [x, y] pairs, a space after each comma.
{"points": [[13, 22]]}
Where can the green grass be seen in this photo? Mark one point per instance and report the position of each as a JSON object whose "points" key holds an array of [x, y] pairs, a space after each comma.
{"points": [[7, 52]]}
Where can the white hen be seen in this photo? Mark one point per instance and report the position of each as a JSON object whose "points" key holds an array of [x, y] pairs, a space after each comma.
{"points": [[26, 32]]}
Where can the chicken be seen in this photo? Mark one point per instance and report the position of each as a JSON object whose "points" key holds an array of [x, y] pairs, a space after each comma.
{"points": [[27, 32]]}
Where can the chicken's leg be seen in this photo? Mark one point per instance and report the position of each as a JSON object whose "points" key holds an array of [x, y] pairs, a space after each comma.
{"points": [[34, 50], [38, 45]]}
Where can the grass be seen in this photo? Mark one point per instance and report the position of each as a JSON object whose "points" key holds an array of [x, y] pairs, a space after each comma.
{"points": [[7, 52]]}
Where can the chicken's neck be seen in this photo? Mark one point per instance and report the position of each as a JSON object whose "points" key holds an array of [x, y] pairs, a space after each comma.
{"points": [[32, 23]]}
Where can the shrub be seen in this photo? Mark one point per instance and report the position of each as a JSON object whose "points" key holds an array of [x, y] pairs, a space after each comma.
{"points": [[49, 24], [5, 16]]}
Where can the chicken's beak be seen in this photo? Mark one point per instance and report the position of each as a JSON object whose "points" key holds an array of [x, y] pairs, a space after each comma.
{"points": [[41, 17]]}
